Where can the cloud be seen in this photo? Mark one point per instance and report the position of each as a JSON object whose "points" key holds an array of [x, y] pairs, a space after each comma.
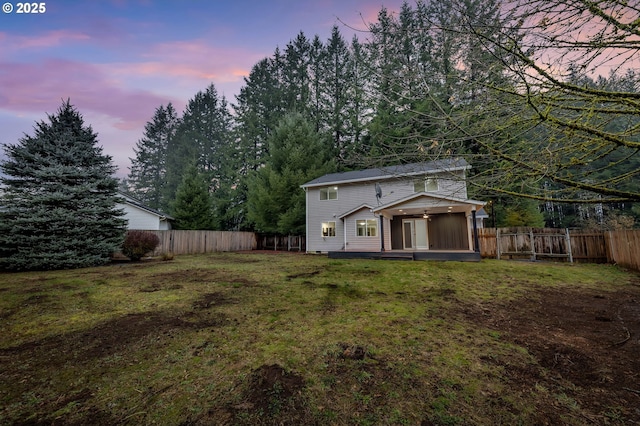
{"points": [[199, 59], [40, 87], [49, 39]]}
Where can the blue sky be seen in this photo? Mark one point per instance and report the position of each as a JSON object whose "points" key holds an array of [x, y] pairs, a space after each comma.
{"points": [[118, 60]]}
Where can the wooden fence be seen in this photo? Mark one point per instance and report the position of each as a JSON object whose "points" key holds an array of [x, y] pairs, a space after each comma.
{"points": [[619, 247], [623, 248], [195, 242]]}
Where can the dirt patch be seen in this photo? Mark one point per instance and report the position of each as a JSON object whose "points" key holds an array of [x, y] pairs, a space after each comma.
{"points": [[272, 385], [107, 338], [585, 344], [272, 396], [350, 351], [303, 275], [210, 299]]}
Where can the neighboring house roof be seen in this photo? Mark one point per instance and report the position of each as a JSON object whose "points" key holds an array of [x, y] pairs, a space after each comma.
{"points": [[137, 203], [482, 214], [412, 169]]}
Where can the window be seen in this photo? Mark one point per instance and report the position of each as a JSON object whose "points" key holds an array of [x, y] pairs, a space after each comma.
{"points": [[330, 193], [428, 185], [367, 228], [328, 229]]}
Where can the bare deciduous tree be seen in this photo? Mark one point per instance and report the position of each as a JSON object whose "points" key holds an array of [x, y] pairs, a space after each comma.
{"points": [[553, 129], [529, 108]]}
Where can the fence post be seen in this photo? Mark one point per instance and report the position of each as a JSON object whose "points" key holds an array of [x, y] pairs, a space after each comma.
{"points": [[533, 245], [498, 248], [568, 238]]}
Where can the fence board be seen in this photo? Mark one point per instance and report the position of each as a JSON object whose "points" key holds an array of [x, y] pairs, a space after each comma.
{"points": [[196, 242], [623, 248], [588, 246], [487, 239]]}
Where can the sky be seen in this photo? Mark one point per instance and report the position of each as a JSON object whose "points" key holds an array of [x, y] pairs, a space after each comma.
{"points": [[119, 60]]}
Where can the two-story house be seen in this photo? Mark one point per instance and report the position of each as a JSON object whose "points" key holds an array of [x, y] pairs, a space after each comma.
{"points": [[418, 211]]}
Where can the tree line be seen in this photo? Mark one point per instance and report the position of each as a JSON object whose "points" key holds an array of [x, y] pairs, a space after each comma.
{"points": [[462, 78]]}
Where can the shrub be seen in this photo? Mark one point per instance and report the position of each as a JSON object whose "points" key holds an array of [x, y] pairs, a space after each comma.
{"points": [[138, 243]]}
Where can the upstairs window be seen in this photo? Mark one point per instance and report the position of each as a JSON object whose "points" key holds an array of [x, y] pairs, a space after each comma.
{"points": [[425, 185], [328, 229], [330, 193], [367, 228]]}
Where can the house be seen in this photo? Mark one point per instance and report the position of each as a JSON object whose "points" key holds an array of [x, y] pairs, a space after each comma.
{"points": [[418, 211], [141, 217]]}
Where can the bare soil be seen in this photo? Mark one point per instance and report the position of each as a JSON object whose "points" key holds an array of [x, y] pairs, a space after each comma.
{"points": [[586, 344]]}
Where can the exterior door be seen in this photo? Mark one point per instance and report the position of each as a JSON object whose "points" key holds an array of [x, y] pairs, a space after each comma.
{"points": [[407, 235], [414, 234]]}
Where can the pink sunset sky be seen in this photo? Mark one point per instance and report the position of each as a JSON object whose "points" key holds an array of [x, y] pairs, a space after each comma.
{"points": [[118, 60]]}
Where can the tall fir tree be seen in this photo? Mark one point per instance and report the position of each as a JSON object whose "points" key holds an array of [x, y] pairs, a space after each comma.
{"points": [[59, 198], [147, 176], [203, 138], [335, 85]]}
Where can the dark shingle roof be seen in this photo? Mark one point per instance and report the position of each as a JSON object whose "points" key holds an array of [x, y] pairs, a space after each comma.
{"points": [[389, 172]]}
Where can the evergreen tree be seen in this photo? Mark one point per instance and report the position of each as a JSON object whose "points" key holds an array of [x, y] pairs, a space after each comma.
{"points": [[192, 207], [147, 176], [203, 138], [295, 74], [335, 86], [59, 198], [297, 154]]}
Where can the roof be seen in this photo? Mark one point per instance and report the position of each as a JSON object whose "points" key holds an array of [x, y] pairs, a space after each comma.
{"points": [[350, 212], [413, 169], [136, 203]]}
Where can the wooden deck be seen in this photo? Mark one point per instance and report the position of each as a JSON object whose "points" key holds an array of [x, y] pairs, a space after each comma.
{"points": [[442, 255]]}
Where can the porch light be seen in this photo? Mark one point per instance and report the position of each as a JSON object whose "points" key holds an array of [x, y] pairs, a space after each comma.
{"points": [[425, 215]]}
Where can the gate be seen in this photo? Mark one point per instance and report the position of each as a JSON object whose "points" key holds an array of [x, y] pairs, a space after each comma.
{"points": [[533, 243]]}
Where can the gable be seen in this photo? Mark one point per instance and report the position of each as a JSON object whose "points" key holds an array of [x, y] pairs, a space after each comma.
{"points": [[355, 210], [419, 199]]}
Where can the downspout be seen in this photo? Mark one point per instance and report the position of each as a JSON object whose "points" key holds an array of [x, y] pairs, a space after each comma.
{"points": [[306, 222], [344, 233]]}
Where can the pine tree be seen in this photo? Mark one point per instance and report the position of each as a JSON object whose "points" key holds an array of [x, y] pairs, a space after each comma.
{"points": [[192, 206], [335, 85], [147, 176], [59, 201], [202, 138]]}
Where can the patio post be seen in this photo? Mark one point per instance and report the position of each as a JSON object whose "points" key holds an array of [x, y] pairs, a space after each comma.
{"points": [[476, 242], [381, 233]]}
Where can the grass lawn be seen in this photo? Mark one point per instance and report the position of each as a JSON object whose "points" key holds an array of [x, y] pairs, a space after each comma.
{"points": [[255, 338]]}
